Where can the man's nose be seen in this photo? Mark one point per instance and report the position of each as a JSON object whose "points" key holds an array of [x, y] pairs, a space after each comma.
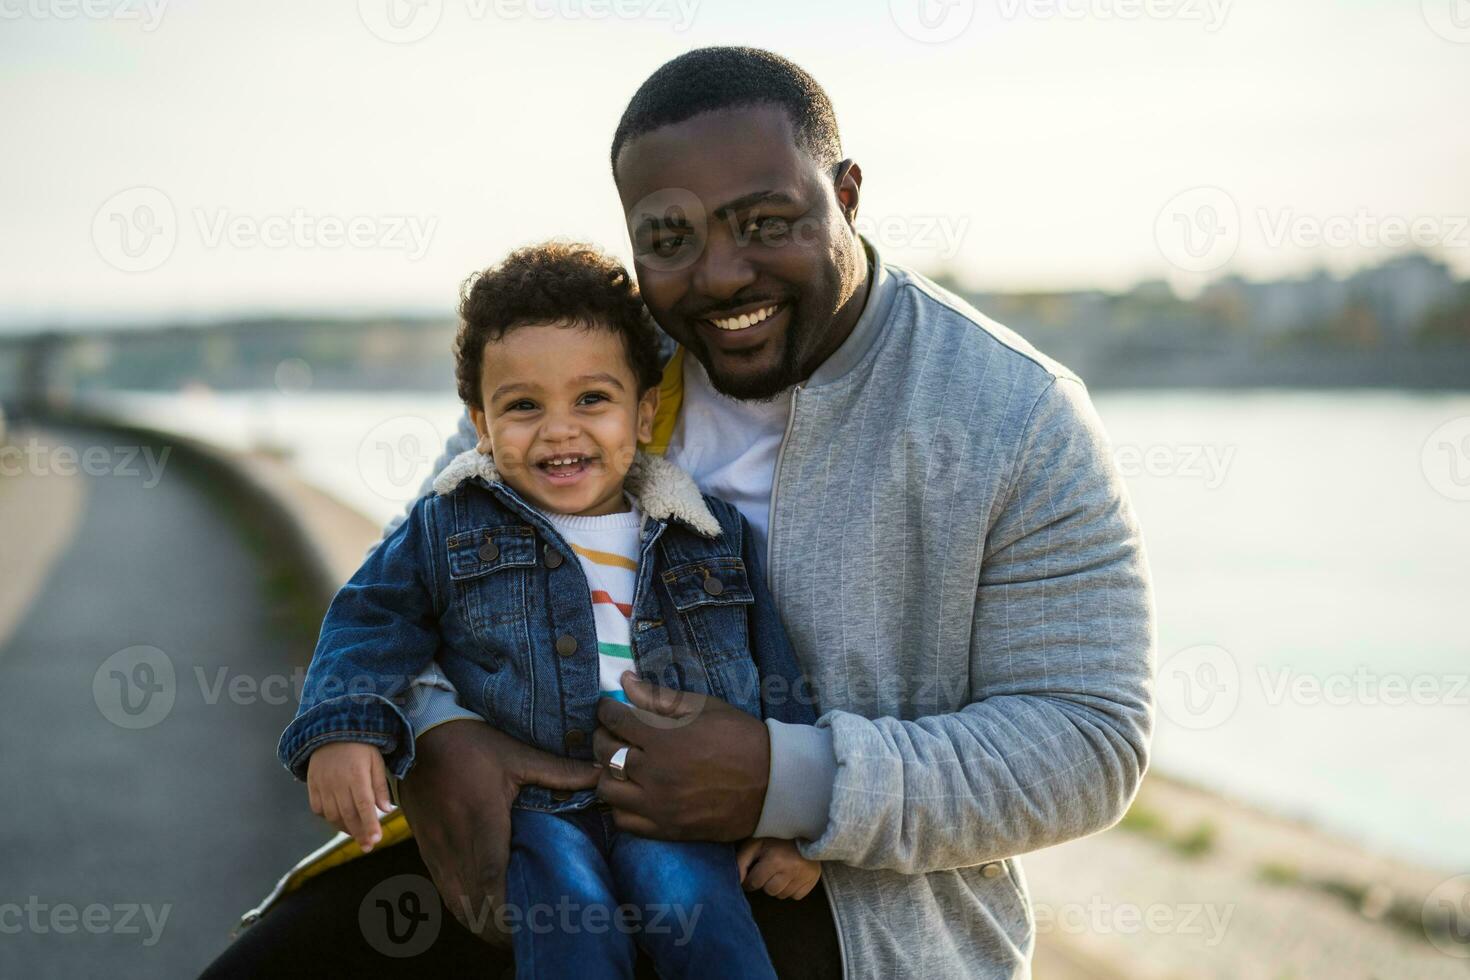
{"points": [[724, 269]]}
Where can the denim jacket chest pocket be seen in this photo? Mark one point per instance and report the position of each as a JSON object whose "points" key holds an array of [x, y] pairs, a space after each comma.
{"points": [[710, 602], [489, 576]]}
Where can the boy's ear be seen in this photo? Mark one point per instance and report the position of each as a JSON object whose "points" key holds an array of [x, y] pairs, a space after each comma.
{"points": [[482, 428], [647, 409]]}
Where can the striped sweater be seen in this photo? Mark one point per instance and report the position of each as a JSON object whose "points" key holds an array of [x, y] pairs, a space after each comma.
{"points": [[607, 548]]}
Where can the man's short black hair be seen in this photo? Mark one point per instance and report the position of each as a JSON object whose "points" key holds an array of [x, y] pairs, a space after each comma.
{"points": [[709, 79]]}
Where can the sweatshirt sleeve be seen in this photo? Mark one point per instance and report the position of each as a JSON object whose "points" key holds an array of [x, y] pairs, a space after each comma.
{"points": [[432, 698], [1055, 739]]}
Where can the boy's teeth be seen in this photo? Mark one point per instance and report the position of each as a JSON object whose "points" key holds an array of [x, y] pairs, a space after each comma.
{"points": [[747, 319]]}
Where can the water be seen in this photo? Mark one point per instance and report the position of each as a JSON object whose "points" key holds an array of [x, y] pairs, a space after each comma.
{"points": [[1312, 568]]}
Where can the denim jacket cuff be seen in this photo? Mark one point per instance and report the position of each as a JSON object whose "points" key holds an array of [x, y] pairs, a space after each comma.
{"points": [[368, 718]]}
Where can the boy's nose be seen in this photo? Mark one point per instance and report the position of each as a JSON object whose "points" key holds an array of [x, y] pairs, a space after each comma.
{"points": [[560, 429]]}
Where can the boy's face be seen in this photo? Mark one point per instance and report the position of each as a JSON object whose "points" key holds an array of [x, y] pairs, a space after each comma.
{"points": [[561, 414]]}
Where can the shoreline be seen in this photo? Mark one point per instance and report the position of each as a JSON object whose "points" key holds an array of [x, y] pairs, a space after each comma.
{"points": [[1193, 883]]}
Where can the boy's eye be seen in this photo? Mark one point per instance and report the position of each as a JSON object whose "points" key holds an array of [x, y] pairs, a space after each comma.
{"points": [[522, 405], [592, 397]]}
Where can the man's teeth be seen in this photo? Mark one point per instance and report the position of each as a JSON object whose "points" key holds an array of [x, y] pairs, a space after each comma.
{"points": [[747, 319]]}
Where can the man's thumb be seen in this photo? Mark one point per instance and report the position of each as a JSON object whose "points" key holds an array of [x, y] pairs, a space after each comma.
{"points": [[539, 768]]}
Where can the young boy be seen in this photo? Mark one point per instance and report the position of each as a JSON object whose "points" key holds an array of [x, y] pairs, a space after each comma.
{"points": [[546, 562]]}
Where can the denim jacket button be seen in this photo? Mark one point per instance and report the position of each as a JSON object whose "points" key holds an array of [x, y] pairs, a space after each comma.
{"points": [[488, 551], [566, 644], [574, 739], [553, 557], [713, 585], [993, 870], [561, 796]]}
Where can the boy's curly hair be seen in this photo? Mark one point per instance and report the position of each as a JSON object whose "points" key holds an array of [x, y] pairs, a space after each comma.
{"points": [[545, 283]]}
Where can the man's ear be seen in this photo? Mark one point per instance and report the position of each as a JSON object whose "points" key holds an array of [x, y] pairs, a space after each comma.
{"points": [[849, 187], [647, 409], [482, 428]]}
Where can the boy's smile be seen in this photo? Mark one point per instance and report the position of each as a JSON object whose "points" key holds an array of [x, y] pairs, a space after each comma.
{"points": [[561, 413]]}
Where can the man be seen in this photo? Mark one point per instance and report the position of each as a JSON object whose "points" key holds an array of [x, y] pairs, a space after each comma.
{"points": [[948, 544]]}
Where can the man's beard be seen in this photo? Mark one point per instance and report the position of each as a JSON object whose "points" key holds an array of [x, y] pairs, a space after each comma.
{"points": [[761, 387]]}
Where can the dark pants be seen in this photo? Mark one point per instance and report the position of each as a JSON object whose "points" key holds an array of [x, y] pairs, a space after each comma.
{"points": [[380, 917]]}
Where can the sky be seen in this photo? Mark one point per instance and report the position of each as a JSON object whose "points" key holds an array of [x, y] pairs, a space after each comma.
{"points": [[183, 161]]}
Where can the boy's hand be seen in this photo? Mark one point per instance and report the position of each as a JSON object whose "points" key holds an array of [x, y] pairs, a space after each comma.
{"points": [[777, 868], [348, 785]]}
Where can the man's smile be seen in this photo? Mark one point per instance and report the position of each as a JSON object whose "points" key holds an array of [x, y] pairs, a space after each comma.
{"points": [[746, 327]]}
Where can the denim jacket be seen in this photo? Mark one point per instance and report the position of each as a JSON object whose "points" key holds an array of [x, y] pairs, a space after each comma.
{"points": [[479, 579]]}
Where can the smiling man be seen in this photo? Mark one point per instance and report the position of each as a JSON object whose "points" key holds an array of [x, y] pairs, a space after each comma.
{"points": [[948, 543]]}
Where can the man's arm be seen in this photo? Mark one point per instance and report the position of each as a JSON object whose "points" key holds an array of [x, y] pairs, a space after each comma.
{"points": [[1052, 746], [1056, 740], [432, 698]]}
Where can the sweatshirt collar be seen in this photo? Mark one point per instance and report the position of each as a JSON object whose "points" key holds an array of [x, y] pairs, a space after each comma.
{"points": [[882, 288]]}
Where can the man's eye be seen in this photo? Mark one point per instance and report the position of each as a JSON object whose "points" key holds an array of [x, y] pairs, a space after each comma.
{"points": [[768, 227], [667, 245]]}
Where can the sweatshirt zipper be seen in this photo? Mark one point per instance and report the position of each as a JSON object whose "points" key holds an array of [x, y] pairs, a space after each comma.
{"points": [[770, 573], [776, 486]]}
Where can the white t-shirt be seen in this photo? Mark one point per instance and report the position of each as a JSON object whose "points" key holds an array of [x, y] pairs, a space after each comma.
{"points": [[608, 549], [730, 446]]}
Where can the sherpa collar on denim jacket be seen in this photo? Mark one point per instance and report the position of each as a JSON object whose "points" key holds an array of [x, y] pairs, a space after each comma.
{"points": [[656, 486]]}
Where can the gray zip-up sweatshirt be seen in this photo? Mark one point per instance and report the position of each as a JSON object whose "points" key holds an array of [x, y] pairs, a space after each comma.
{"points": [[953, 554]]}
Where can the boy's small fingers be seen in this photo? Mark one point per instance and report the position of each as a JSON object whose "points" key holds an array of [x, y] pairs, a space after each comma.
{"points": [[366, 816], [746, 856], [759, 876], [328, 809], [346, 813], [380, 784], [776, 883]]}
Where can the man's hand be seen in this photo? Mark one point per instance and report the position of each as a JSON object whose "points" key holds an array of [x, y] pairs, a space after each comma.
{"points": [[697, 768], [347, 786], [777, 868], [457, 799]]}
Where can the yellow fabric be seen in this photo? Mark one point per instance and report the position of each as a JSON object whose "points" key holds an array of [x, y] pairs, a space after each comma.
{"points": [[670, 400], [395, 827]]}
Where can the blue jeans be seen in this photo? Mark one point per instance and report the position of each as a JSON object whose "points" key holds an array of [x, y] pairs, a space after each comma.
{"points": [[588, 896]]}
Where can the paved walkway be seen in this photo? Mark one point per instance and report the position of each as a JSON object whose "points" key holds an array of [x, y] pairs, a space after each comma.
{"points": [[143, 808]]}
